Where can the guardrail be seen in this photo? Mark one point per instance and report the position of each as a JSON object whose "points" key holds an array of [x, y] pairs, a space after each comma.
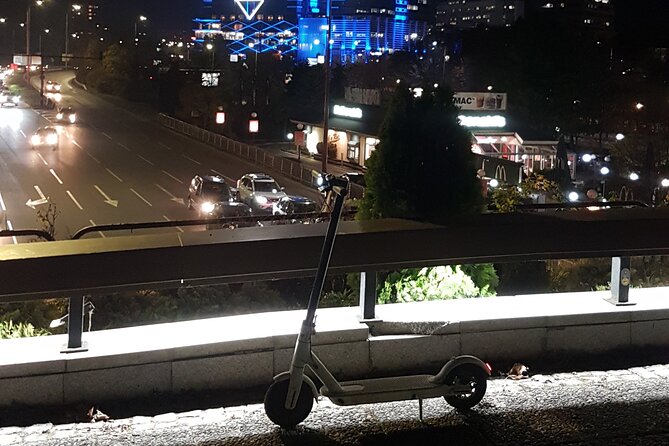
{"points": [[75, 268], [258, 156]]}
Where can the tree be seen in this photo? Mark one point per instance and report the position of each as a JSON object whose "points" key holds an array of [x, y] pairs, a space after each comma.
{"points": [[423, 168]]}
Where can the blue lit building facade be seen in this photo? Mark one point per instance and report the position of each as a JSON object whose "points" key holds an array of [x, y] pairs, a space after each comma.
{"points": [[360, 28]]}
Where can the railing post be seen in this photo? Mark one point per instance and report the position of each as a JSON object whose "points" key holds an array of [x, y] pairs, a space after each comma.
{"points": [[620, 281], [75, 326], [367, 295]]}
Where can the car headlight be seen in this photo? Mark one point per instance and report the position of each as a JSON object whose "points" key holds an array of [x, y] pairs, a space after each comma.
{"points": [[16, 99], [73, 118], [207, 207], [57, 87], [52, 139], [260, 199], [35, 140], [59, 116]]}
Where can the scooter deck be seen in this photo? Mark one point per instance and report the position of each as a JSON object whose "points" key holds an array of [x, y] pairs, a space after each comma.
{"points": [[380, 390]]}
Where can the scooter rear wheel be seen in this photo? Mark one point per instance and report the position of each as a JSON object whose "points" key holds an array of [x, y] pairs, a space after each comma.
{"points": [[275, 400], [477, 380]]}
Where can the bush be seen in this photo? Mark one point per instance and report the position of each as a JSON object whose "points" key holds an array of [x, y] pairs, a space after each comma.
{"points": [[415, 285], [11, 330]]}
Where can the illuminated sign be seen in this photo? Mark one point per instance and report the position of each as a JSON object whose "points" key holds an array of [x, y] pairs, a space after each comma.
{"points": [[210, 79], [347, 112], [249, 7], [480, 101], [482, 121]]}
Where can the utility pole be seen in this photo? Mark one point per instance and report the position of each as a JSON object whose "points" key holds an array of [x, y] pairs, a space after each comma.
{"points": [[326, 94]]}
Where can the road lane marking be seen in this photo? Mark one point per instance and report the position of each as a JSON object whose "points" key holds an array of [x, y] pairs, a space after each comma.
{"points": [[172, 197], [42, 158], [104, 134], [2, 203], [145, 159], [140, 197], [94, 158], [99, 232], [108, 200], [114, 175], [167, 219], [77, 144], [165, 145], [11, 228], [224, 176], [75, 200], [55, 176], [173, 177], [21, 132], [124, 146], [39, 192], [191, 159]]}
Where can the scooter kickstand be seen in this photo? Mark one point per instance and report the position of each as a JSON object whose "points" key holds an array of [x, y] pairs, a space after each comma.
{"points": [[420, 409]]}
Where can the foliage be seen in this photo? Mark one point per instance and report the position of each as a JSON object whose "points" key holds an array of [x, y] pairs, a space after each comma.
{"points": [[423, 168], [343, 298], [11, 330], [46, 218], [507, 197], [416, 285]]}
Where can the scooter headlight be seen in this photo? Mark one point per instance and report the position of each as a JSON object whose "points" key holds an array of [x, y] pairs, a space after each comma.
{"points": [[207, 207]]}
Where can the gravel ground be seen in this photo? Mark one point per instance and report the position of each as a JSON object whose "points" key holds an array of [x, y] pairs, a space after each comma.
{"points": [[616, 407]]}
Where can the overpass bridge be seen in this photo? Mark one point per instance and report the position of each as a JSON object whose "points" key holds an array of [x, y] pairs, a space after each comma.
{"points": [[243, 352]]}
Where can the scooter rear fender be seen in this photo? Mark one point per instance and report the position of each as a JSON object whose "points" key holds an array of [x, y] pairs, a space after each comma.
{"points": [[457, 361], [286, 375]]}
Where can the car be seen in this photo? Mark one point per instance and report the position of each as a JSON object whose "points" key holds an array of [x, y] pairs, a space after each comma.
{"points": [[45, 136], [9, 98], [66, 114], [356, 178], [260, 191], [52, 86], [293, 204], [211, 196]]}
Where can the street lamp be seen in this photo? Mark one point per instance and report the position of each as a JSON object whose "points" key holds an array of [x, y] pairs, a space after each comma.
{"points": [[76, 9], [27, 25], [639, 106], [141, 18], [210, 47], [46, 31]]}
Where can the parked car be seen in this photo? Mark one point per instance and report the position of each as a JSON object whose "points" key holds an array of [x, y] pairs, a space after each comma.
{"points": [[67, 115], [45, 136], [52, 86], [292, 204], [211, 196], [260, 191], [9, 98]]}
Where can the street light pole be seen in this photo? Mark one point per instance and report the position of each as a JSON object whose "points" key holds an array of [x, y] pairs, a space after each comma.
{"points": [[326, 105], [28, 37]]}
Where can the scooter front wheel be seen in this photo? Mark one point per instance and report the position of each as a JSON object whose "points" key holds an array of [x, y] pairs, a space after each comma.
{"points": [[471, 375], [275, 404]]}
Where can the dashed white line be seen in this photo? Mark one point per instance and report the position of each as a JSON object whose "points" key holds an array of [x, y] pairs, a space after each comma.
{"points": [[224, 176], [94, 158], [11, 228], [140, 197], [99, 232], [167, 219], [2, 203], [165, 145], [21, 132], [55, 176], [105, 135], [191, 159], [173, 177], [145, 159], [124, 146], [114, 175], [42, 158], [75, 200], [77, 144]]}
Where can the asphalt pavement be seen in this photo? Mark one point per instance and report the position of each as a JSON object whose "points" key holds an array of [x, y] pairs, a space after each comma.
{"points": [[615, 407]]}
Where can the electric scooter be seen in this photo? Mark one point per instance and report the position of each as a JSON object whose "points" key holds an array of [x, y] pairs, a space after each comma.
{"points": [[461, 381]]}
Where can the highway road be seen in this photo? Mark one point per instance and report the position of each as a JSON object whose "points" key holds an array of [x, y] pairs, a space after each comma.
{"points": [[112, 166]]}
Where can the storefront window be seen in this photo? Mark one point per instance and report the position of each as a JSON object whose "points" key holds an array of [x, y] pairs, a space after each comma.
{"points": [[370, 146]]}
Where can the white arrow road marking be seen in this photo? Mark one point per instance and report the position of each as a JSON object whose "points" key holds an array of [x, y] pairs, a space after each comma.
{"points": [[108, 200], [42, 199], [172, 197], [21, 132], [55, 176], [191, 159], [42, 158], [75, 200], [167, 219], [94, 158], [224, 176], [165, 145], [173, 177], [104, 134], [145, 159], [99, 232], [140, 197], [114, 175], [2, 203], [124, 146], [11, 228]]}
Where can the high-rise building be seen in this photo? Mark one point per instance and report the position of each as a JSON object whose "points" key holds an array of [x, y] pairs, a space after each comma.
{"points": [[466, 14], [591, 16]]}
